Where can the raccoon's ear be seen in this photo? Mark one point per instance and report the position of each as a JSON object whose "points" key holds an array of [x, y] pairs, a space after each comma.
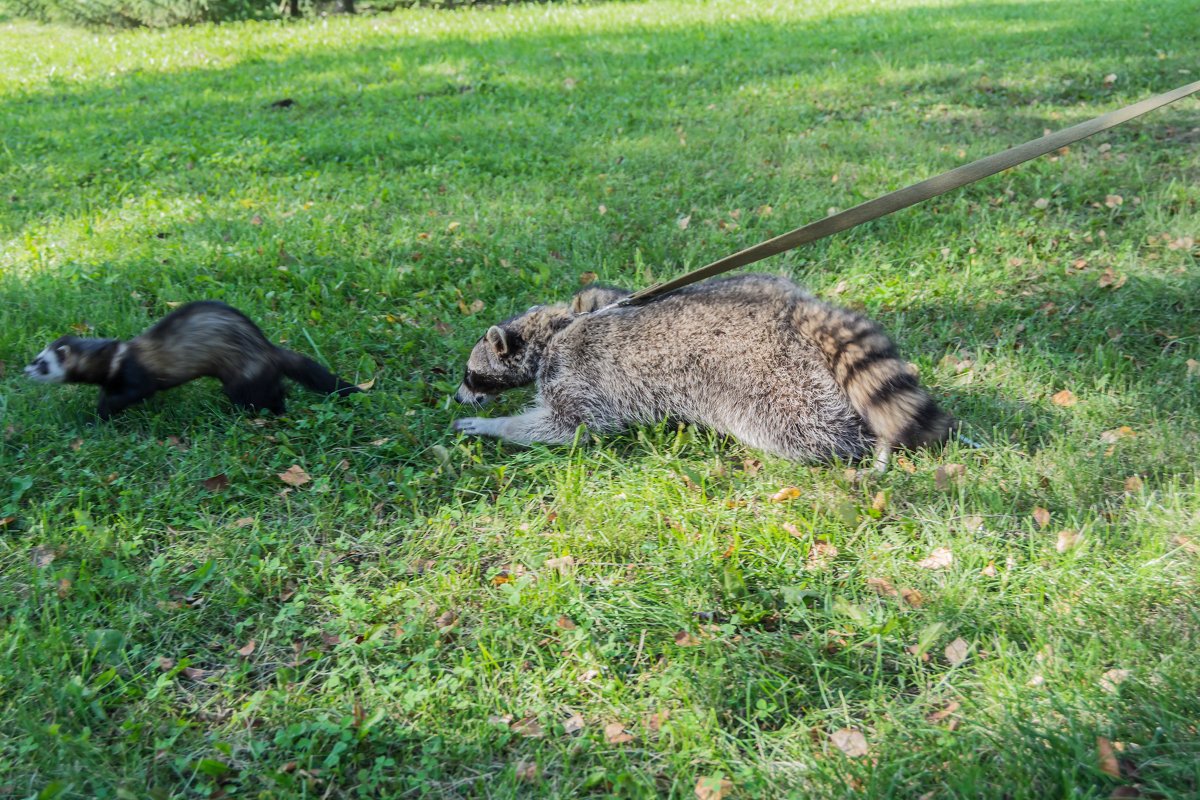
{"points": [[579, 304], [498, 339]]}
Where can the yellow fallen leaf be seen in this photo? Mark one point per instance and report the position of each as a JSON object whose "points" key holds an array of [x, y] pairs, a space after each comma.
{"points": [[713, 787], [365, 385], [881, 587], [1113, 200], [1117, 434], [1110, 680], [685, 639], [1066, 398], [1106, 758], [573, 724], [938, 716], [615, 733], [956, 651], [1193, 367], [245, 652], [1067, 540], [879, 503], [1041, 516], [528, 727], [1133, 484], [566, 623], [914, 598], [785, 494], [989, 571], [527, 771]]}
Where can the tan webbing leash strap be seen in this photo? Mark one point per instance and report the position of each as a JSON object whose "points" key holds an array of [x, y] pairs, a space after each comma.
{"points": [[916, 193]]}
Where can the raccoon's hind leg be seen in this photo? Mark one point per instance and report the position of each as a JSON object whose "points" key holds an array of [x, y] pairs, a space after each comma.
{"points": [[537, 424], [265, 391]]}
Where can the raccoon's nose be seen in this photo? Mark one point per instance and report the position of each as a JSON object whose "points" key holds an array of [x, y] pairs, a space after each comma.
{"points": [[466, 397]]}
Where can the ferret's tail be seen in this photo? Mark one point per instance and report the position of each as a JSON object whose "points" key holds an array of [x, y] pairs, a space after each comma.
{"points": [[309, 373], [882, 387]]}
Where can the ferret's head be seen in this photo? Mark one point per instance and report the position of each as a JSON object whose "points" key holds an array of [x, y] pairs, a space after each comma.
{"points": [[508, 355], [70, 360], [51, 365]]}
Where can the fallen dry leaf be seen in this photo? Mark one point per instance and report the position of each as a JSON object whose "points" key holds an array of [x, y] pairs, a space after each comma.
{"points": [[587, 277], [245, 652], [63, 589], [946, 473], [879, 503], [42, 557], [850, 741], [528, 727], [1117, 434], [574, 724], [589, 675], [1066, 398], [561, 565], [989, 571], [1067, 540], [1133, 484], [683, 222], [1187, 545], [751, 466], [938, 716], [914, 598], [1113, 200], [566, 623], [1110, 680], [654, 722], [820, 555], [603, 209], [1106, 758], [713, 787], [1041, 516], [685, 639], [365, 386], [446, 621], [956, 651], [166, 664], [195, 673], [785, 494], [216, 483], [527, 771], [881, 587], [1041, 203], [615, 733], [973, 523], [1110, 79], [1035, 681], [940, 558], [452, 227], [1110, 278], [294, 476], [243, 522], [1193, 368]]}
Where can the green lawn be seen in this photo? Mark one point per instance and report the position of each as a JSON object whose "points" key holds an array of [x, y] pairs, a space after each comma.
{"points": [[409, 621]]}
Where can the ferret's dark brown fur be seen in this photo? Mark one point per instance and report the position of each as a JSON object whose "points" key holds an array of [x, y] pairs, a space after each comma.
{"points": [[201, 339]]}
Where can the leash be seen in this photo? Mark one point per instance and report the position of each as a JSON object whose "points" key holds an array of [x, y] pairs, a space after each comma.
{"points": [[911, 195]]}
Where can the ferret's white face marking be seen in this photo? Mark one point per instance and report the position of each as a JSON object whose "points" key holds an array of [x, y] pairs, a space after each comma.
{"points": [[46, 368]]}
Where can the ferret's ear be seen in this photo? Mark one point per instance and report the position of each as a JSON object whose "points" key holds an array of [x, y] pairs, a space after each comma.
{"points": [[498, 339], [63, 350]]}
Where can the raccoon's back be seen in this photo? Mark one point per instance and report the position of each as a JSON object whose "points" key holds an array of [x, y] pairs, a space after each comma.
{"points": [[204, 338]]}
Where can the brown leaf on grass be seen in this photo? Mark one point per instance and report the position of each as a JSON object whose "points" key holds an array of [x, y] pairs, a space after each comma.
{"points": [[1117, 434], [881, 587], [820, 555], [850, 741], [685, 639], [1106, 758], [528, 727], [792, 529], [587, 277], [1193, 368], [573, 724], [589, 675], [654, 722], [1133, 484], [683, 222], [256, 220], [615, 733], [566, 623], [562, 565], [245, 652], [42, 557], [195, 673], [243, 522], [216, 483], [880, 501], [973, 523], [1182, 243], [903, 463], [785, 494], [1125, 793], [751, 466], [1067, 540], [940, 558], [947, 473], [365, 386], [1110, 680], [453, 226], [1113, 200], [1041, 203], [446, 621], [938, 716], [914, 598], [1041, 516], [989, 571], [78, 443], [603, 209], [476, 306], [294, 476], [63, 589], [330, 639], [1187, 545], [6, 521], [500, 719], [1110, 79], [166, 664], [956, 652], [1109, 278], [527, 771], [713, 787], [1066, 398]]}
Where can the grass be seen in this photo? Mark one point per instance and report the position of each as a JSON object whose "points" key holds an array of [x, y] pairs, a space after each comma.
{"points": [[436, 158]]}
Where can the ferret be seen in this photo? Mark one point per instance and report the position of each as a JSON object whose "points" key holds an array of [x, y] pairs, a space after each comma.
{"points": [[754, 356], [201, 339]]}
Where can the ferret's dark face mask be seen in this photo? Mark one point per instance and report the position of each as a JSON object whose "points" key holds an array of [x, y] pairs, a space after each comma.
{"points": [[47, 366], [498, 363]]}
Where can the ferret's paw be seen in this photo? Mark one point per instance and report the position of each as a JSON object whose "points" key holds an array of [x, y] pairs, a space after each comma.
{"points": [[473, 426]]}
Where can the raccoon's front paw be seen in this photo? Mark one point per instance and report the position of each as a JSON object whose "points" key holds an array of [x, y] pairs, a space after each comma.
{"points": [[474, 426]]}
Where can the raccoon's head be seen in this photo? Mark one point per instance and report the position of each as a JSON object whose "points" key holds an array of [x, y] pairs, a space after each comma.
{"points": [[501, 360], [594, 297], [52, 364]]}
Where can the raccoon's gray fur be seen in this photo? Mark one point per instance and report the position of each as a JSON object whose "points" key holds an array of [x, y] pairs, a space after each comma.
{"points": [[752, 356]]}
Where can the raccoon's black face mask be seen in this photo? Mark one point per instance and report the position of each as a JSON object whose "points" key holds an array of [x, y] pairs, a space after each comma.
{"points": [[499, 361]]}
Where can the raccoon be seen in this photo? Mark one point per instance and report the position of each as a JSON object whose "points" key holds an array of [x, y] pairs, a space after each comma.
{"points": [[754, 356], [201, 339]]}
